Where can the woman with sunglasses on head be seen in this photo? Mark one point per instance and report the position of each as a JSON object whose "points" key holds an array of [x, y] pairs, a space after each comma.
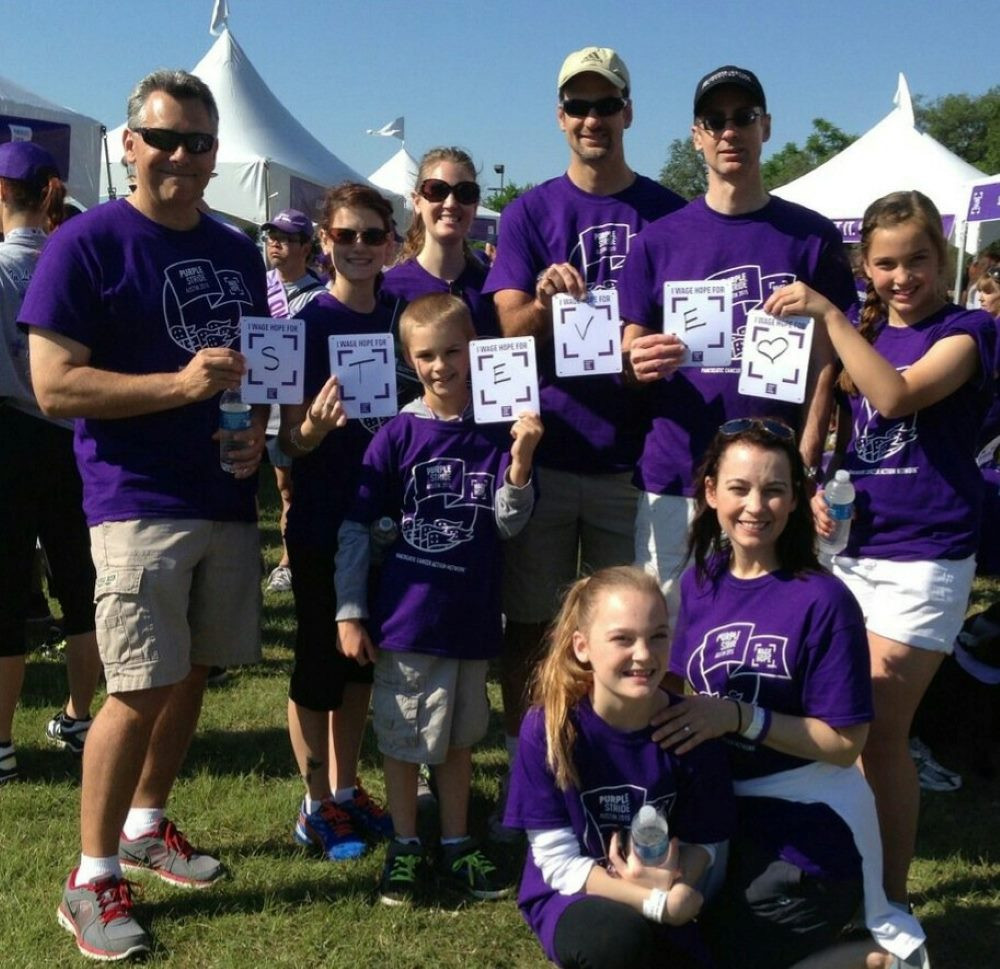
{"points": [[328, 695], [774, 649], [436, 256], [918, 377]]}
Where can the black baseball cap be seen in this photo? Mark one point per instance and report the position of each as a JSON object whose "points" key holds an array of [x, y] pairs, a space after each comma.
{"points": [[730, 76]]}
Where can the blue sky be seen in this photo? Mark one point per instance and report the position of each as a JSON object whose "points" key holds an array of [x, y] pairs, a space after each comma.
{"points": [[482, 75]]}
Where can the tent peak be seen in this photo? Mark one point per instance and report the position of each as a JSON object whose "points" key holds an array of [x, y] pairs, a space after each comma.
{"points": [[903, 101]]}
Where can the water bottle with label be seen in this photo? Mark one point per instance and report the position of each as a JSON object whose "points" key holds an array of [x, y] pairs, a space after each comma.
{"points": [[650, 836], [839, 497], [234, 415]]}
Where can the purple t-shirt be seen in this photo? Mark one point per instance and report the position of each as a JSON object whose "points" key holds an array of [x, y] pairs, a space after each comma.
{"points": [[324, 480], [439, 588], [760, 252], [618, 773], [592, 424], [144, 299], [919, 492], [794, 645]]}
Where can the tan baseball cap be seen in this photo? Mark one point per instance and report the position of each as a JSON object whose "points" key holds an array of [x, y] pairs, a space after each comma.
{"points": [[595, 60]]}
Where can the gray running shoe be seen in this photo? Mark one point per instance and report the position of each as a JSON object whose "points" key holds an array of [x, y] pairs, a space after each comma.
{"points": [[168, 854], [100, 916], [8, 764], [933, 776], [280, 580], [68, 733]]}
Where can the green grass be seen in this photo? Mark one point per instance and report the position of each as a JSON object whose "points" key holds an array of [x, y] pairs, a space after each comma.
{"points": [[238, 795]]}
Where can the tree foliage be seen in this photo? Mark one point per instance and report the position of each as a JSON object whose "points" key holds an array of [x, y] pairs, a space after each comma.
{"points": [[684, 171], [966, 125], [497, 201], [792, 162]]}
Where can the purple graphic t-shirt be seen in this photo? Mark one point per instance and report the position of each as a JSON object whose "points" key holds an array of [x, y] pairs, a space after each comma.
{"points": [[760, 252], [791, 644], [324, 480], [439, 588], [592, 424], [618, 773], [919, 492], [144, 299]]}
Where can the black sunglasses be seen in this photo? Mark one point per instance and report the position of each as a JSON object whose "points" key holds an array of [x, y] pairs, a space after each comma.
{"points": [[717, 122], [164, 139], [347, 237], [602, 107], [437, 190], [739, 425]]}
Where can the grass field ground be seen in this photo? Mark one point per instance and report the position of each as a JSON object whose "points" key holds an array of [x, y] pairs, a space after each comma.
{"points": [[238, 795]]}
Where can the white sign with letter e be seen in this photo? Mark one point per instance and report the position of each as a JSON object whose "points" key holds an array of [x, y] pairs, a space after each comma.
{"points": [[275, 352], [504, 379], [699, 313], [587, 333], [776, 356], [365, 364]]}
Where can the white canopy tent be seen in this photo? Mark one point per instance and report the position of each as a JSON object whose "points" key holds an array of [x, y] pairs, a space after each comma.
{"points": [[399, 175], [892, 156], [267, 160], [73, 139]]}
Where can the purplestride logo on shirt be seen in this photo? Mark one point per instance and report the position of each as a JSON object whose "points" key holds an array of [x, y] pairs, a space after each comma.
{"points": [[441, 503], [732, 660], [751, 288], [873, 444], [607, 809], [202, 305], [601, 245]]}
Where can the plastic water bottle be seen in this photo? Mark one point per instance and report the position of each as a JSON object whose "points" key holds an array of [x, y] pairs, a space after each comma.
{"points": [[383, 534], [234, 415], [650, 836], [839, 497]]}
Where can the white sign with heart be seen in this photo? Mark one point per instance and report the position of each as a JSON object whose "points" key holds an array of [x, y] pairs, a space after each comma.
{"points": [[775, 361]]}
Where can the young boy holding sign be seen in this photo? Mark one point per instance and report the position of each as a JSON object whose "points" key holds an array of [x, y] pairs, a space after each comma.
{"points": [[453, 488]]}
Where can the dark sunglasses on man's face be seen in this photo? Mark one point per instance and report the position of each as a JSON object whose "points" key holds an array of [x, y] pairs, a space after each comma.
{"points": [[717, 122], [437, 190], [602, 107], [347, 237], [163, 139]]}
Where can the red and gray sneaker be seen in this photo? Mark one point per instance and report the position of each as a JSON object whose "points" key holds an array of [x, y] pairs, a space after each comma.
{"points": [[329, 829], [100, 916], [168, 854], [367, 815]]}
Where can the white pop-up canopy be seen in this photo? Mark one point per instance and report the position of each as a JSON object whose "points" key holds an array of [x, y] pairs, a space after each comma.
{"points": [[892, 156], [73, 139], [267, 160], [399, 175]]}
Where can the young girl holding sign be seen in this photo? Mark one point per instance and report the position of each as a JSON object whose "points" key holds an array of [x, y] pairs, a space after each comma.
{"points": [[586, 765], [918, 379], [328, 695]]}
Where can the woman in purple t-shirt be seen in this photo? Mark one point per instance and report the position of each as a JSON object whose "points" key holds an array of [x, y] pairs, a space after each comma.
{"points": [[918, 377], [774, 648]]}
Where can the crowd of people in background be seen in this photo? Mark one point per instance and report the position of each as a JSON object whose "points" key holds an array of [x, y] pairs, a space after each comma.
{"points": [[638, 555]]}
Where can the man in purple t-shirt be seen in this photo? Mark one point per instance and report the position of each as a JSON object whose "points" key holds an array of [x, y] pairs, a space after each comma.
{"points": [[132, 313], [736, 231], [571, 234]]}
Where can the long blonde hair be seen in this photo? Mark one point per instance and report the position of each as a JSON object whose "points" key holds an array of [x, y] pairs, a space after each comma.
{"points": [[561, 680]]}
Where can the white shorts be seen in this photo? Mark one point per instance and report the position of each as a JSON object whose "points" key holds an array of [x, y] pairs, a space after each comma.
{"points": [[661, 535], [920, 604]]}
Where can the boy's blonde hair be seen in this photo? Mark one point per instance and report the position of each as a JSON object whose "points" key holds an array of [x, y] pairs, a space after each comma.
{"points": [[435, 309]]}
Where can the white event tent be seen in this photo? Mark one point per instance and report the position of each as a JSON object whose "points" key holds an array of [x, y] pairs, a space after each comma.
{"points": [[267, 160], [73, 139], [399, 174], [894, 155]]}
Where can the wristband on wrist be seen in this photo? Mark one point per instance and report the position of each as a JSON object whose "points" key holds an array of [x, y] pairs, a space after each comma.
{"points": [[739, 714], [295, 436], [756, 725], [654, 904]]}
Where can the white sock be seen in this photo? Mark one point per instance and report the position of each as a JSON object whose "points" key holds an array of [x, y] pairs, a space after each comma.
{"points": [[142, 821], [511, 744], [407, 841], [93, 869], [454, 841], [344, 794], [311, 806]]}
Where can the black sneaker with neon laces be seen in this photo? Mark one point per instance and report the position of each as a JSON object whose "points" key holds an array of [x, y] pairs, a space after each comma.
{"points": [[100, 916], [404, 872], [169, 855], [464, 867]]}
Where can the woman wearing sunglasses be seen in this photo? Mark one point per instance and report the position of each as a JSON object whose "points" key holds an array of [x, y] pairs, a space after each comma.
{"points": [[436, 256], [328, 695], [774, 649]]}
